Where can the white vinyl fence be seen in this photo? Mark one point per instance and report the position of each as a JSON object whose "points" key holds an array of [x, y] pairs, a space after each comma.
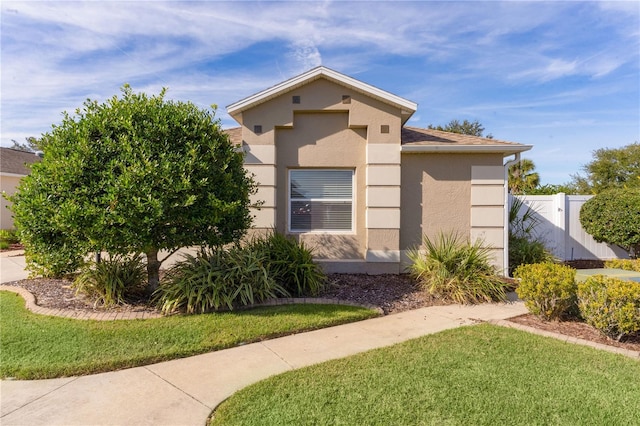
{"points": [[560, 229]]}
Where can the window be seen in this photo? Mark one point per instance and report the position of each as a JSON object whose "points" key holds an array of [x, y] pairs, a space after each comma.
{"points": [[320, 200]]}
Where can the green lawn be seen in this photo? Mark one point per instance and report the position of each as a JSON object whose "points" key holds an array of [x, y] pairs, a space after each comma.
{"points": [[37, 347], [478, 375]]}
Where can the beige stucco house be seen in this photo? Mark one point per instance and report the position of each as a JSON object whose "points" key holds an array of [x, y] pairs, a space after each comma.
{"points": [[13, 167], [338, 169]]}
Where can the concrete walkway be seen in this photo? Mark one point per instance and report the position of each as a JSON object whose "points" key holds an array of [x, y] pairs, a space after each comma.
{"points": [[185, 391]]}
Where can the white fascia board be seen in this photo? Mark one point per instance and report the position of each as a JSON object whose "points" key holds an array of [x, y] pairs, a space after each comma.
{"points": [[11, 174], [407, 106], [503, 149]]}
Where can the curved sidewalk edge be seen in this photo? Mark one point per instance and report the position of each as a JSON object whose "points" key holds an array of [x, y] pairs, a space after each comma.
{"points": [[565, 338], [185, 391], [82, 314]]}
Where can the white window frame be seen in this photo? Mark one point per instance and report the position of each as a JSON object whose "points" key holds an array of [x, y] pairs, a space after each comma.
{"points": [[322, 231]]}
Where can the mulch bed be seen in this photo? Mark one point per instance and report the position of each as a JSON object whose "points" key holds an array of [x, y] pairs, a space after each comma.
{"points": [[577, 329], [392, 293]]}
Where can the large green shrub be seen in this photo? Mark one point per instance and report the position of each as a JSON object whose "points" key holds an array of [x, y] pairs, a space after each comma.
{"points": [[113, 280], [290, 263], [453, 268], [611, 305], [133, 174], [613, 217], [548, 289], [217, 278], [626, 264]]}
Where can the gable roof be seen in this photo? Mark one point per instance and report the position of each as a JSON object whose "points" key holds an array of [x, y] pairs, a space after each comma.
{"points": [[408, 107], [235, 135], [12, 161], [430, 140]]}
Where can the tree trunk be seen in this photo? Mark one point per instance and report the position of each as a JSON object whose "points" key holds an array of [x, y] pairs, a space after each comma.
{"points": [[153, 270]]}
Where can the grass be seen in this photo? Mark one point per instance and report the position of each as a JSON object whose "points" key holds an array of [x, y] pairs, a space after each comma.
{"points": [[37, 347], [479, 375]]}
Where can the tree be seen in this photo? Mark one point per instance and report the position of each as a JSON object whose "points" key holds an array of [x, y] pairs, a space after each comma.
{"points": [[610, 168], [31, 144], [466, 128], [133, 175], [613, 217], [522, 178], [552, 189]]}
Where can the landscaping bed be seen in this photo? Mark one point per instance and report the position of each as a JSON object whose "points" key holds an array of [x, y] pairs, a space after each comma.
{"points": [[577, 329], [392, 293]]}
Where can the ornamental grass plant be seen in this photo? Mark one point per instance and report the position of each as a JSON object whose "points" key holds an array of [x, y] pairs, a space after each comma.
{"points": [[113, 280], [217, 278], [452, 268], [290, 263]]}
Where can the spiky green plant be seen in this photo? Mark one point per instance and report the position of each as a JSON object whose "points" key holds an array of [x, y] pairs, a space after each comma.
{"points": [[290, 263], [217, 278], [525, 247], [453, 268], [112, 280]]}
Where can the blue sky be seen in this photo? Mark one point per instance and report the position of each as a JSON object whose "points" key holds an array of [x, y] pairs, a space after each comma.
{"points": [[562, 76]]}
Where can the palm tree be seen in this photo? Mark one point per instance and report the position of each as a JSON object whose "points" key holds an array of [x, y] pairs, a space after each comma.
{"points": [[522, 177]]}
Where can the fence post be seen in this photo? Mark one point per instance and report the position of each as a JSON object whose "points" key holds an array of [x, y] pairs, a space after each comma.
{"points": [[559, 214]]}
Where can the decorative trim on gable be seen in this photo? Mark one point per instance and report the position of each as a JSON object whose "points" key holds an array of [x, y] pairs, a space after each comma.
{"points": [[408, 107]]}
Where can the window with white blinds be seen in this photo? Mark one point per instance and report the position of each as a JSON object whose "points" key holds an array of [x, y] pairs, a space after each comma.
{"points": [[320, 200]]}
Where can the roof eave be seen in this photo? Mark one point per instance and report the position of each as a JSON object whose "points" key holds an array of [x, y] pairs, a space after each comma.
{"points": [[480, 149], [408, 107]]}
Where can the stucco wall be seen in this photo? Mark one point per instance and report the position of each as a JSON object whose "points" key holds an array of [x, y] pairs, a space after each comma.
{"points": [[437, 195], [332, 126], [323, 140], [8, 184]]}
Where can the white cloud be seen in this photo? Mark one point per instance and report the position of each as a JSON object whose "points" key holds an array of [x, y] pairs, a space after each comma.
{"points": [[506, 63]]}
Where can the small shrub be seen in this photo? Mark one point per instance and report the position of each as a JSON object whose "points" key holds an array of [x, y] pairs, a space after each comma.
{"points": [[611, 305], [290, 263], [548, 289], [525, 247], [217, 278], [112, 281], [9, 236], [4, 245], [626, 264], [455, 269], [523, 251], [57, 262]]}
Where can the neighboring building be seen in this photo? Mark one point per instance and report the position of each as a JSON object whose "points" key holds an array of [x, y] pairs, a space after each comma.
{"points": [[13, 167], [338, 169]]}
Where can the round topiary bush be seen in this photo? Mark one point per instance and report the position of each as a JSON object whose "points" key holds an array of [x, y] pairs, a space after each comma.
{"points": [[548, 289], [613, 217], [611, 305]]}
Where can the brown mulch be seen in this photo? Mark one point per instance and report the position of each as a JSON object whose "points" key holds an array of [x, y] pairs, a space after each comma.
{"points": [[59, 294], [12, 247], [392, 293], [577, 329], [585, 263]]}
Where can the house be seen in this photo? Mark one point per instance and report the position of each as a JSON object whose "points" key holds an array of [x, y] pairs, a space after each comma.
{"points": [[13, 167], [339, 169]]}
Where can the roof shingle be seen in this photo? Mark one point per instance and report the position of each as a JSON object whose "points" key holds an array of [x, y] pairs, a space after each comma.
{"points": [[13, 161], [418, 136]]}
